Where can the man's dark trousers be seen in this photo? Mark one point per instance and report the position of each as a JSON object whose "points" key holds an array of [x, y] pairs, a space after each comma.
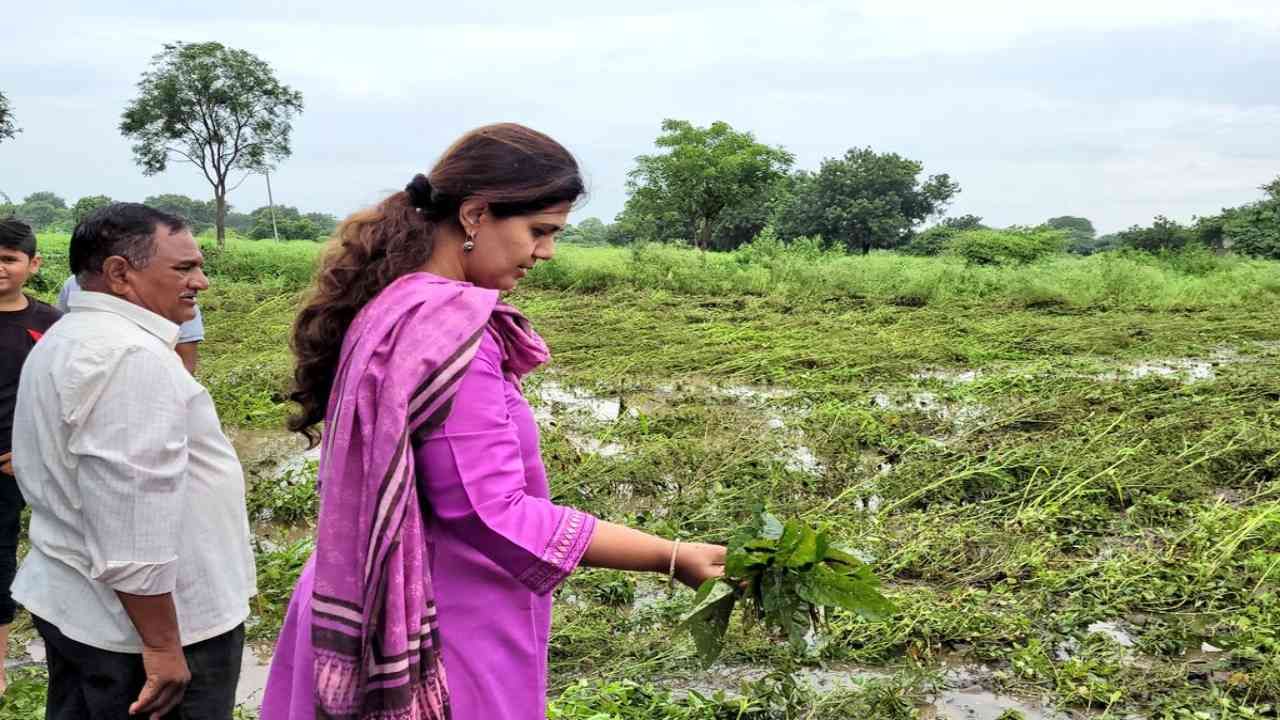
{"points": [[86, 683]]}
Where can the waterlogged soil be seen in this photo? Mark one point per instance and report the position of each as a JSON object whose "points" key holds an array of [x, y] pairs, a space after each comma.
{"points": [[960, 697]]}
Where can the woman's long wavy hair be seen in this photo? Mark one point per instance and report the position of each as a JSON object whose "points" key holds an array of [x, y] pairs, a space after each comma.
{"points": [[516, 170]]}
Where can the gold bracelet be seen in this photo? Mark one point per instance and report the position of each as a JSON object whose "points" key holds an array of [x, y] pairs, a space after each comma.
{"points": [[671, 572]]}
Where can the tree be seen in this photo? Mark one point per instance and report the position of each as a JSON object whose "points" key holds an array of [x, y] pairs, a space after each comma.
{"points": [[1080, 233], [1272, 189], [239, 222], [43, 210], [864, 200], [8, 129], [41, 214], [45, 196], [88, 204], [742, 222], [201, 214], [218, 108], [1164, 234], [1254, 229], [591, 231], [964, 222], [291, 224], [934, 240], [1073, 226], [684, 192], [325, 223]]}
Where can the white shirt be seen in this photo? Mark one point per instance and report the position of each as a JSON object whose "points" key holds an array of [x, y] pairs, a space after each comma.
{"points": [[132, 484]]}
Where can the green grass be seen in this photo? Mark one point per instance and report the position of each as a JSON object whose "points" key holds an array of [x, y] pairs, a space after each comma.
{"points": [[1051, 490]]}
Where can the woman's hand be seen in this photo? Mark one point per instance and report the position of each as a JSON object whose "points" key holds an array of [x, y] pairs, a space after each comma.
{"points": [[698, 562]]}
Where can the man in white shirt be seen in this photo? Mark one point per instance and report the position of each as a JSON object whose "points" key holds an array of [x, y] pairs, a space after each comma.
{"points": [[140, 569]]}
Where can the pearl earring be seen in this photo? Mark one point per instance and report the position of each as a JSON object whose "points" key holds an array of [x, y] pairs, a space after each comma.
{"points": [[469, 244]]}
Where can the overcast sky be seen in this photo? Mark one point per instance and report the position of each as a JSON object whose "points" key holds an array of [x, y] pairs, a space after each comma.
{"points": [[1116, 110]]}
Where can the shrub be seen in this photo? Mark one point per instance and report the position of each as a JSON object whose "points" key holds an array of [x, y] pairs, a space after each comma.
{"points": [[1002, 247], [930, 242]]}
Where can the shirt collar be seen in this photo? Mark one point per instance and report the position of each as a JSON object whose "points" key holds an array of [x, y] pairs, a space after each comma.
{"points": [[140, 316]]}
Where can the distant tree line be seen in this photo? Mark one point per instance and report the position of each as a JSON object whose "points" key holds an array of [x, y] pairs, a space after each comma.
{"points": [[717, 188], [48, 212]]}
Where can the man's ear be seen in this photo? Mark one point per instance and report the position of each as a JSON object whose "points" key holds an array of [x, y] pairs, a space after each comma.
{"points": [[115, 275], [36, 262]]}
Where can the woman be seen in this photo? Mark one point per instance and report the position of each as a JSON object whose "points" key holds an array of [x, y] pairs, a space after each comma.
{"points": [[428, 595]]}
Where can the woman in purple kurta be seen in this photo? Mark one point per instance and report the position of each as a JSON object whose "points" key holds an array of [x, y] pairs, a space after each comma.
{"points": [[498, 547], [429, 594]]}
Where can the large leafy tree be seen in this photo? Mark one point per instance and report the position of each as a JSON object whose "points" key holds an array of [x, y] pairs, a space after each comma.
{"points": [[46, 196], [42, 215], [864, 200], [1164, 234], [591, 231], [290, 224], [1254, 229], [1075, 227], [703, 173], [325, 223], [43, 210], [8, 129], [1081, 235], [88, 204], [218, 108]]}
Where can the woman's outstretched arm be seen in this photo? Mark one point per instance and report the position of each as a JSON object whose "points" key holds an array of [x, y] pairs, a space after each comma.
{"points": [[622, 548]]}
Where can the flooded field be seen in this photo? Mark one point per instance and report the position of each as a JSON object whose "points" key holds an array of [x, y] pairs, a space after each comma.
{"points": [[652, 452], [1077, 514]]}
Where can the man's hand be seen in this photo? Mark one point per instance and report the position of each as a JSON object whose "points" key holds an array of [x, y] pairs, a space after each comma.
{"points": [[6, 464], [167, 680], [156, 621]]}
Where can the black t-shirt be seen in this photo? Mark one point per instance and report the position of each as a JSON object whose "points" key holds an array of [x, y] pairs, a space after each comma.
{"points": [[19, 331]]}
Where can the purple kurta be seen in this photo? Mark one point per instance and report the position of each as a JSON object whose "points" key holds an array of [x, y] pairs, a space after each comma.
{"points": [[497, 547]]}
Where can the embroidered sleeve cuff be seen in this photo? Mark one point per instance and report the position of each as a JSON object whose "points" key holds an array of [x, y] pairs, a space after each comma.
{"points": [[138, 578], [562, 554]]}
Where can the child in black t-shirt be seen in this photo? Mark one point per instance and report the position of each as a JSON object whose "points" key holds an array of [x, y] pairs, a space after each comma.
{"points": [[23, 320]]}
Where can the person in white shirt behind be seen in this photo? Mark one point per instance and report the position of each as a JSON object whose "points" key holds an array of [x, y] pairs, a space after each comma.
{"points": [[190, 333], [140, 568]]}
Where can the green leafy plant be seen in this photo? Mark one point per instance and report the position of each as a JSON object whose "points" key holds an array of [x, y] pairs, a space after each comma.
{"points": [[788, 574]]}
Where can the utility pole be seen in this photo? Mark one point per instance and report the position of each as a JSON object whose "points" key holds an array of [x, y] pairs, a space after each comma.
{"points": [[272, 205]]}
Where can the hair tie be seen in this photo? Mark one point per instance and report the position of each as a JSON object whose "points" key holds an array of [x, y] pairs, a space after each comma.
{"points": [[419, 190]]}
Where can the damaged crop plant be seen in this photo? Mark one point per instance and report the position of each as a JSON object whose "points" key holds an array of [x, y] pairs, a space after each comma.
{"points": [[1063, 474], [789, 575]]}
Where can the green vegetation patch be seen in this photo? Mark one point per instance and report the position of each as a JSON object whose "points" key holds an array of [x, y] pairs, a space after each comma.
{"points": [[1067, 473]]}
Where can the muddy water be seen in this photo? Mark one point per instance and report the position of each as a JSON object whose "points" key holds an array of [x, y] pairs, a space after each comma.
{"points": [[957, 377], [929, 403], [271, 453], [1186, 370], [551, 400], [253, 678], [961, 695]]}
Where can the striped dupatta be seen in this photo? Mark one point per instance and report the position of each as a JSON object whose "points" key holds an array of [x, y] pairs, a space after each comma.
{"points": [[374, 626]]}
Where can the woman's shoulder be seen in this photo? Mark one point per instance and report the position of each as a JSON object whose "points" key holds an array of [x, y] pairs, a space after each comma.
{"points": [[488, 355], [490, 346]]}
